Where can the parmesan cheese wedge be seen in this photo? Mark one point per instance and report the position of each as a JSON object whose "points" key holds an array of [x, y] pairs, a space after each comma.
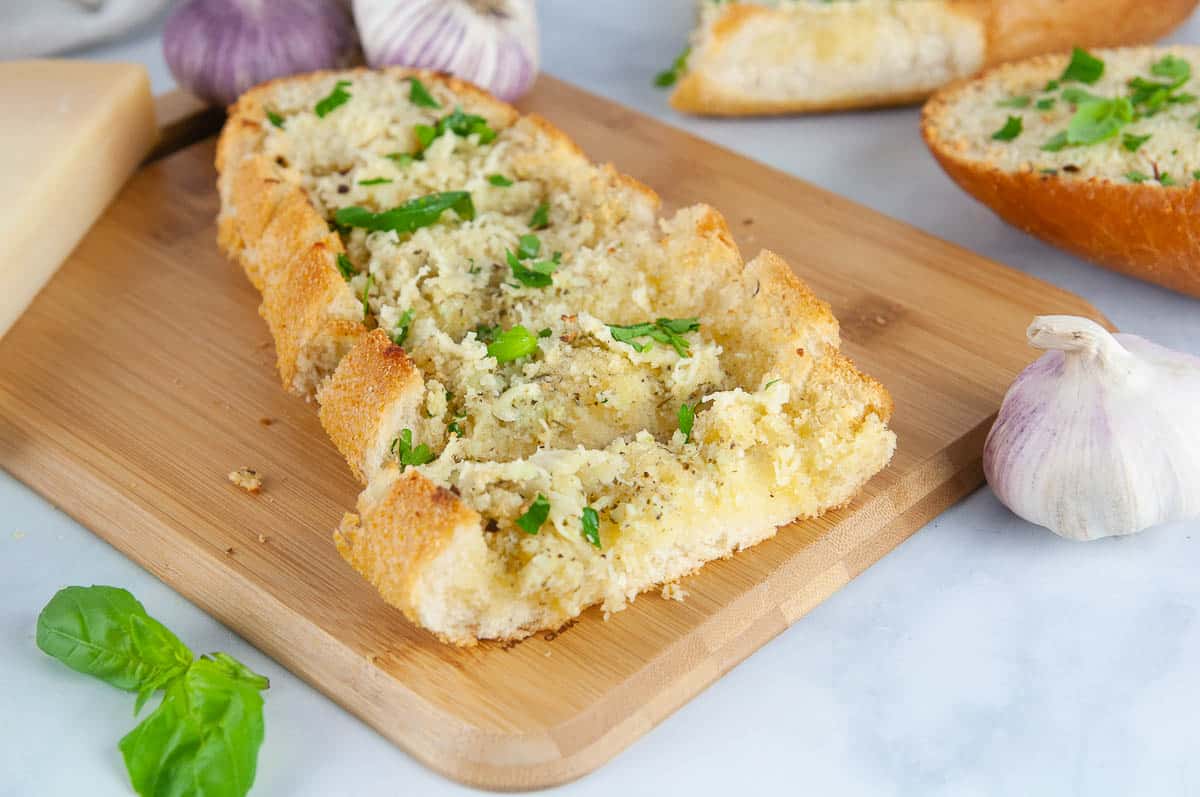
{"points": [[71, 134]]}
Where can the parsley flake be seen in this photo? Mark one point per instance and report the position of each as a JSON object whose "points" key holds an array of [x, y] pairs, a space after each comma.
{"points": [[1084, 67], [531, 522], [541, 217], [1015, 102], [420, 212], [402, 449], [399, 333], [274, 119], [375, 181], [420, 96], [687, 417], [589, 522], [670, 75], [345, 266], [500, 180], [1012, 128], [1133, 143], [335, 99], [664, 330]]}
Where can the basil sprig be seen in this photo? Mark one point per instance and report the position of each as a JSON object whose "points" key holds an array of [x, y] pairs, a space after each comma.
{"points": [[414, 214], [204, 737]]}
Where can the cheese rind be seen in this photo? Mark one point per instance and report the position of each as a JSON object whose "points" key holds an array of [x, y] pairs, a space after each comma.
{"points": [[71, 134]]}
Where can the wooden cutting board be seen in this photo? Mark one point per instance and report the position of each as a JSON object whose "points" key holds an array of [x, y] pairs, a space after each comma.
{"points": [[142, 375]]}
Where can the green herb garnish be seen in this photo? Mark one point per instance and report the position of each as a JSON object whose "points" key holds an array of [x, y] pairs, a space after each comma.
{"points": [[420, 96], [1166, 179], [345, 266], [669, 76], [687, 417], [1051, 86], [1136, 177], [454, 429], [589, 522], [545, 332], [366, 294], [1084, 67], [500, 180], [209, 726], [528, 245], [1098, 121], [1014, 102], [1045, 104], [1133, 143], [414, 214], [512, 344], [399, 333], [537, 274], [1178, 70], [402, 449], [401, 158], [336, 98], [1012, 128], [531, 522], [486, 333], [1056, 143], [457, 122], [664, 330], [274, 118], [541, 217]]}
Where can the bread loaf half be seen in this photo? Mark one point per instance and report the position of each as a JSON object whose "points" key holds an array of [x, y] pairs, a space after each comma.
{"points": [[1095, 153], [554, 397], [816, 55]]}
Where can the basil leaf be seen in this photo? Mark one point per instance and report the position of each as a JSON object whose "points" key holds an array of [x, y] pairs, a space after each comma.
{"points": [[203, 738], [105, 632], [345, 267], [500, 180], [403, 324], [589, 522], [414, 214], [420, 96], [1012, 128], [274, 118], [1084, 67], [531, 522], [512, 344], [669, 76], [1099, 121], [1133, 143], [1015, 102], [541, 217], [404, 452], [336, 98], [687, 417]]}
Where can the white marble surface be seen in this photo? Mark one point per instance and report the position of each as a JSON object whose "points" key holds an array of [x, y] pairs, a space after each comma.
{"points": [[983, 657]]}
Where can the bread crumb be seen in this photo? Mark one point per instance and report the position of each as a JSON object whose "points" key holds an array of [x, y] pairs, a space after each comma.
{"points": [[18, 535], [248, 479], [265, 421], [230, 550], [674, 592], [263, 538]]}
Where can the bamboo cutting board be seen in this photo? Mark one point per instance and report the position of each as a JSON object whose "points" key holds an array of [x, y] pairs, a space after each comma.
{"points": [[142, 375]]}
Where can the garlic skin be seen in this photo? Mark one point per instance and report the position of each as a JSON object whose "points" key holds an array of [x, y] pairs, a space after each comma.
{"points": [[491, 43], [218, 49], [1100, 436]]}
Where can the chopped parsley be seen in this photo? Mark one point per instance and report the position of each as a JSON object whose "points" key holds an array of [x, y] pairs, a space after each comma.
{"points": [[335, 99], [1173, 67], [375, 181], [767, 386], [1012, 128], [401, 158], [529, 245], [1196, 174], [274, 118], [1166, 179], [402, 449], [664, 330], [399, 333], [1133, 143], [687, 417], [1056, 143], [541, 217], [1136, 177], [1015, 102], [454, 429], [512, 344], [457, 122], [366, 296], [420, 212], [670, 75], [545, 332], [420, 96], [531, 522], [1052, 86], [1099, 120], [345, 266], [500, 180], [1084, 67], [486, 333], [1045, 104], [589, 522], [532, 273]]}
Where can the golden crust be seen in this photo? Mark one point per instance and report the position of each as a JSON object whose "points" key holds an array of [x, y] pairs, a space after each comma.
{"points": [[1012, 29], [393, 541], [1142, 230], [375, 375]]}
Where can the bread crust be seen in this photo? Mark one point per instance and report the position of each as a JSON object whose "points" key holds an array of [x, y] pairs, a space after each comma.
{"points": [[1010, 29], [1144, 231]]}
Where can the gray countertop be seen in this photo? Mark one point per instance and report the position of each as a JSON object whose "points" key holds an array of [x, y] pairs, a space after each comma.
{"points": [[983, 657]]}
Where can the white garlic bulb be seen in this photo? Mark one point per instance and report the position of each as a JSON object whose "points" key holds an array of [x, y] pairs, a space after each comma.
{"points": [[1100, 436], [491, 43]]}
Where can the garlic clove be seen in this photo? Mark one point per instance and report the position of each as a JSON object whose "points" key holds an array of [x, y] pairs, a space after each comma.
{"points": [[491, 43], [1100, 436]]}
